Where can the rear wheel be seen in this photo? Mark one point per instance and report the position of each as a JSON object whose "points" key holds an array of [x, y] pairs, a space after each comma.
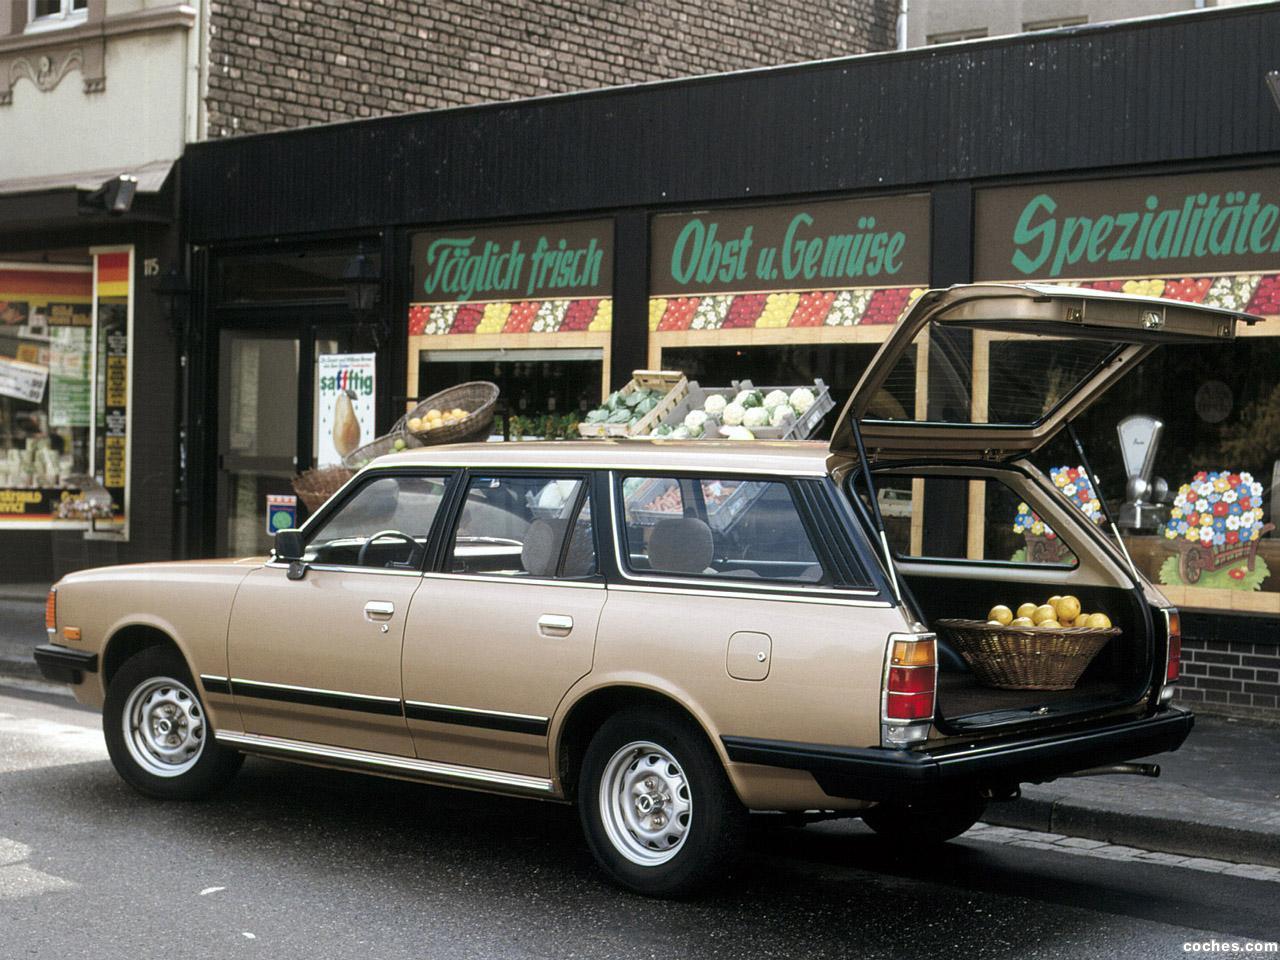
{"points": [[158, 733], [925, 823], [658, 811]]}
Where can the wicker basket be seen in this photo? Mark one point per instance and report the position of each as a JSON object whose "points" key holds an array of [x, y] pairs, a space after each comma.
{"points": [[1027, 658], [477, 397], [362, 455], [318, 485]]}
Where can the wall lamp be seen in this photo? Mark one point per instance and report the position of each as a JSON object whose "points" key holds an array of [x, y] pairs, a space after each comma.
{"points": [[115, 195]]}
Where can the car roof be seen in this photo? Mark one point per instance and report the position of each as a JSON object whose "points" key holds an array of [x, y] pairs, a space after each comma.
{"points": [[791, 457]]}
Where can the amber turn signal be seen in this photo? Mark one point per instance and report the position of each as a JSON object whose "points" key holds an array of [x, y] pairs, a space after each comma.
{"points": [[71, 633], [915, 653], [51, 612]]}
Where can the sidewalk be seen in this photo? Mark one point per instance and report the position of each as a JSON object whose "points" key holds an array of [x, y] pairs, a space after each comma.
{"points": [[21, 628], [1217, 797]]}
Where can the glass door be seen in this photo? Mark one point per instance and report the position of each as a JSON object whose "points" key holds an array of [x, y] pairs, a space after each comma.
{"points": [[273, 413], [259, 390]]}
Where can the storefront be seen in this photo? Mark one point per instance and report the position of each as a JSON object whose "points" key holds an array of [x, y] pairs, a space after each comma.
{"points": [[526, 306], [773, 226], [88, 434], [784, 294]]}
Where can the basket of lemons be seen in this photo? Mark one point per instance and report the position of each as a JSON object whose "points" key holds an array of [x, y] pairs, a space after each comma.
{"points": [[464, 412], [1038, 646]]}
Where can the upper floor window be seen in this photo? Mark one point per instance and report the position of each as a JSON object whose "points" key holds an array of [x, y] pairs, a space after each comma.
{"points": [[955, 36], [1057, 24], [49, 14]]}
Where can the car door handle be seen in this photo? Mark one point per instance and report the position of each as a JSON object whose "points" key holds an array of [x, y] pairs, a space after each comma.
{"points": [[379, 610], [555, 625]]}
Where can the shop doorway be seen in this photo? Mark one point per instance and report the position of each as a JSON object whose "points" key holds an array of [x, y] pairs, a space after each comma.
{"points": [[269, 420]]}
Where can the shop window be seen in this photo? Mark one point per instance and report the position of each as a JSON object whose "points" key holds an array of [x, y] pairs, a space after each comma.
{"points": [[728, 528], [542, 392], [975, 519], [517, 527], [839, 365], [386, 524], [1027, 376], [63, 437], [1209, 541]]}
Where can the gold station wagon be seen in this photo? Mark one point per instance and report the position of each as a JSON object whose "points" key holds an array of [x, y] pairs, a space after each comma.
{"points": [[672, 634]]}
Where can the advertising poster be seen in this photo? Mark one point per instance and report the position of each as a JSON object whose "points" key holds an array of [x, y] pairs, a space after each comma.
{"points": [[22, 381], [345, 392]]}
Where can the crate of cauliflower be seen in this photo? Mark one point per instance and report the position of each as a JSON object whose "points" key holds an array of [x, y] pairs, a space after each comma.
{"points": [[638, 407], [747, 412]]}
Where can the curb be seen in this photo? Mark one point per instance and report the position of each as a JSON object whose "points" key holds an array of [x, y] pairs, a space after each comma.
{"points": [[1186, 837]]}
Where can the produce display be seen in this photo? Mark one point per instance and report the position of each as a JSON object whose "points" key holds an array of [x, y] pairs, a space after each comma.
{"points": [[625, 408], [746, 412], [1056, 613], [638, 407], [434, 419]]}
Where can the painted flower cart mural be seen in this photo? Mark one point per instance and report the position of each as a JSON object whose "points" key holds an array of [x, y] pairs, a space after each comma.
{"points": [[1214, 528], [1043, 545]]}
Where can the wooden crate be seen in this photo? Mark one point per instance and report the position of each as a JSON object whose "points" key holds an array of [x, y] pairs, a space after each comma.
{"points": [[672, 383]]}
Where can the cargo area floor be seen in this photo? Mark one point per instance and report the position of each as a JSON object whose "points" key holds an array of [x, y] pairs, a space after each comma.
{"points": [[960, 695]]}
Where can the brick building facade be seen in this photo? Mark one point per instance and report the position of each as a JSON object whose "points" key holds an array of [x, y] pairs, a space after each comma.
{"points": [[288, 63]]}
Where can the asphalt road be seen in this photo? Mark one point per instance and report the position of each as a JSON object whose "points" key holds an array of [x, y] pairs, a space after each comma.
{"points": [[299, 862]]}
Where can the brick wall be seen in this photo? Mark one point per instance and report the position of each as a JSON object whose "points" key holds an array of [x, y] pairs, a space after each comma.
{"points": [[1231, 665], [286, 63]]}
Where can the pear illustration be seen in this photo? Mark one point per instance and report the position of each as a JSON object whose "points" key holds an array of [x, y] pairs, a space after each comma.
{"points": [[346, 427]]}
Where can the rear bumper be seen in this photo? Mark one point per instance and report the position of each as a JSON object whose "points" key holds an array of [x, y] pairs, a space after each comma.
{"points": [[64, 665], [885, 774]]}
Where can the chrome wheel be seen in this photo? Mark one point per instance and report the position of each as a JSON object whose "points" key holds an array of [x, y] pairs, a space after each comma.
{"points": [[645, 803], [164, 727]]}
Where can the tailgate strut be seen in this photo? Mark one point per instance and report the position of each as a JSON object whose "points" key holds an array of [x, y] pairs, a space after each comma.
{"points": [[1102, 500], [877, 518]]}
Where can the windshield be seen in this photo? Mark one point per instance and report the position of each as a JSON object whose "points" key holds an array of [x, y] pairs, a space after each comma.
{"points": [[959, 375]]}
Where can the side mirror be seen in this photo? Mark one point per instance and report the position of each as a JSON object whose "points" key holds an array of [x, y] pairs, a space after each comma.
{"points": [[289, 545]]}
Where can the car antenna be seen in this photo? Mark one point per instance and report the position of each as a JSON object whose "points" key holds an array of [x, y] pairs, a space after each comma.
{"points": [[870, 484], [1102, 500]]}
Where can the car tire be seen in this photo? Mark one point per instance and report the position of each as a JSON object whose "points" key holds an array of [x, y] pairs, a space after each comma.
{"points": [[681, 823], [158, 731], [925, 823]]}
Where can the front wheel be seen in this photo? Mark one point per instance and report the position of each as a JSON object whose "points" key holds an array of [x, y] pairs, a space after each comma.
{"points": [[658, 811], [925, 823], [158, 733]]}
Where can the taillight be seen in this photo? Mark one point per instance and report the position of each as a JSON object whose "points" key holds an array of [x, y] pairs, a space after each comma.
{"points": [[911, 678], [51, 612], [1173, 662]]}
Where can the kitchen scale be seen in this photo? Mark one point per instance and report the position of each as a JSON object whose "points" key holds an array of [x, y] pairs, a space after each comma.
{"points": [[1139, 440]]}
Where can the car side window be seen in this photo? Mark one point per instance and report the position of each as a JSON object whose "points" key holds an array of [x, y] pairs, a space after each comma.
{"points": [[721, 527], [517, 526], [385, 524]]}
